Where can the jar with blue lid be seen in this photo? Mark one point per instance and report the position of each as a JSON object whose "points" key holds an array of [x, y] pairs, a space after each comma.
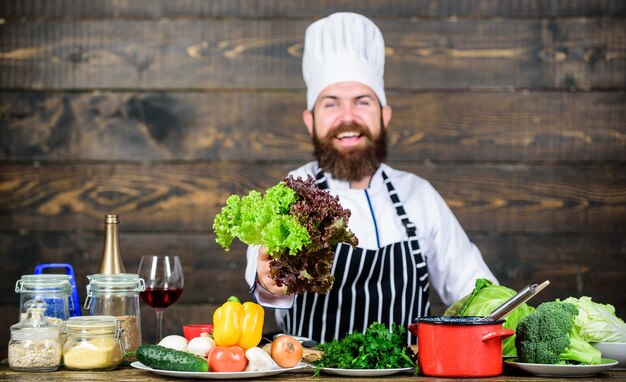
{"points": [[53, 289]]}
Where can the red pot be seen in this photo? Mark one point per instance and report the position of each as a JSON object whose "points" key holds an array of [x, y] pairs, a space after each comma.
{"points": [[459, 346]]}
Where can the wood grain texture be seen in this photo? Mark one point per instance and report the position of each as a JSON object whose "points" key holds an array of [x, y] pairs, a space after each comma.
{"points": [[232, 53], [211, 274], [186, 197], [575, 264], [317, 8], [438, 126]]}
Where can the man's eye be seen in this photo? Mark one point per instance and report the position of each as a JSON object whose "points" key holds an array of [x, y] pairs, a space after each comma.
{"points": [[363, 102], [330, 104]]}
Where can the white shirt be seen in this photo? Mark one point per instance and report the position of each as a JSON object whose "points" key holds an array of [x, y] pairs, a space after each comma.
{"points": [[454, 263]]}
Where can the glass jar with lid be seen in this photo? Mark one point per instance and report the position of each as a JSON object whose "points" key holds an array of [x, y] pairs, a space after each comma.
{"points": [[54, 289], [92, 343], [35, 343], [118, 295]]}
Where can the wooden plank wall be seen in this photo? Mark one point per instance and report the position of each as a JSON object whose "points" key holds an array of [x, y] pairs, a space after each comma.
{"points": [[158, 110]]}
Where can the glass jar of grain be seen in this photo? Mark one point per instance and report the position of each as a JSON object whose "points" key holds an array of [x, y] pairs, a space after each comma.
{"points": [[35, 343], [93, 343], [118, 295]]}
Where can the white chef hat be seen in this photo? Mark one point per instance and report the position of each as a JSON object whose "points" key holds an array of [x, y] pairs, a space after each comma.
{"points": [[340, 48]]}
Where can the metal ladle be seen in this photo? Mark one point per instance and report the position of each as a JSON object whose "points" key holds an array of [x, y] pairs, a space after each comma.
{"points": [[521, 297]]}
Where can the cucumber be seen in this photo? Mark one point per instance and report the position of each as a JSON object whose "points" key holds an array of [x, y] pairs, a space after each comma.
{"points": [[160, 357]]}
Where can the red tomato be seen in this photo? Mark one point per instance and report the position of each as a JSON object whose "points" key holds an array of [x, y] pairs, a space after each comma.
{"points": [[227, 358], [286, 351]]}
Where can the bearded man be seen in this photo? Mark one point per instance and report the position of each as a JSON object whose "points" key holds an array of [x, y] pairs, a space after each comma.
{"points": [[408, 237]]}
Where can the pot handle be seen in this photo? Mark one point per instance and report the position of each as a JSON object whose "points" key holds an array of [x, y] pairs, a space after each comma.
{"points": [[413, 328], [503, 333]]}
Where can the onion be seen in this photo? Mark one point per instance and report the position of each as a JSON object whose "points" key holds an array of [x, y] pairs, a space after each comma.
{"points": [[174, 342]]}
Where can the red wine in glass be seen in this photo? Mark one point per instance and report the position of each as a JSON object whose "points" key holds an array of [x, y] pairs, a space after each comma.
{"points": [[163, 276], [160, 298]]}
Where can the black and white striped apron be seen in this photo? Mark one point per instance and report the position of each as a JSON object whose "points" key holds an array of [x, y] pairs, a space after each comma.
{"points": [[385, 285]]}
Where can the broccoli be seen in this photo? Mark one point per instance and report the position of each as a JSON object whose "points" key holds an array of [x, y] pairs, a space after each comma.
{"points": [[548, 336]]}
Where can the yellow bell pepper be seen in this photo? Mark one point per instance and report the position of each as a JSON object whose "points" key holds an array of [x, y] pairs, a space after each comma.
{"points": [[240, 324]]}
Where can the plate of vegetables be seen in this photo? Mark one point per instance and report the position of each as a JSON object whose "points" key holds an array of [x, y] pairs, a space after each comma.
{"points": [[212, 361], [218, 374], [551, 342]]}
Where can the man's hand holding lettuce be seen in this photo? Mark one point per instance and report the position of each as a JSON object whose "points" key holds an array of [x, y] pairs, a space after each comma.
{"points": [[298, 224]]}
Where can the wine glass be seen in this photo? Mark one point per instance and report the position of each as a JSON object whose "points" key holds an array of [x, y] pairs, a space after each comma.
{"points": [[164, 280]]}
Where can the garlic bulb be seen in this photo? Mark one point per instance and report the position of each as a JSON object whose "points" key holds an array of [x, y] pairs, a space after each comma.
{"points": [[201, 345]]}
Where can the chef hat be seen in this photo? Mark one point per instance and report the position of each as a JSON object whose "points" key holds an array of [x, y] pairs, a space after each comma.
{"points": [[340, 48]]}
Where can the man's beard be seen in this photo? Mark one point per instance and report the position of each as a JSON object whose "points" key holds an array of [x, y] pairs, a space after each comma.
{"points": [[351, 164]]}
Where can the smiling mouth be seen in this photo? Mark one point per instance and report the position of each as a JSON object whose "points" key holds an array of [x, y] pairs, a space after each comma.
{"points": [[348, 135]]}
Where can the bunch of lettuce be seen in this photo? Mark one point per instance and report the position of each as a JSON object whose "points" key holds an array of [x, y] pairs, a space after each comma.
{"points": [[597, 322], [483, 300], [298, 223]]}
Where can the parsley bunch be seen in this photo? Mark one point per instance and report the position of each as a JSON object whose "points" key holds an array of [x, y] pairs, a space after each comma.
{"points": [[377, 348], [298, 224]]}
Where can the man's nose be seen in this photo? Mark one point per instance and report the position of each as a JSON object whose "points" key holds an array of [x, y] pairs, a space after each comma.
{"points": [[347, 114]]}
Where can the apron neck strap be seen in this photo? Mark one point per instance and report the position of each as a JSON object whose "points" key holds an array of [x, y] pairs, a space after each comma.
{"points": [[320, 179]]}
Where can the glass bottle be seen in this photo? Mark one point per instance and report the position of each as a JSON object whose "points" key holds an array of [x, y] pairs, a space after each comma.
{"points": [[54, 289], [93, 343], [111, 256], [35, 343], [118, 296]]}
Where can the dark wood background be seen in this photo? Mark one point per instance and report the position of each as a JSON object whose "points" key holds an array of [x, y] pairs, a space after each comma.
{"points": [[158, 110]]}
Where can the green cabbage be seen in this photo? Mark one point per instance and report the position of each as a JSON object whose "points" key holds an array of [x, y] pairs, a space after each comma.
{"points": [[483, 300], [597, 322]]}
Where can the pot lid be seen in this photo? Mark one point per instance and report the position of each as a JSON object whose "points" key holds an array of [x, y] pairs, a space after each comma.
{"points": [[458, 320]]}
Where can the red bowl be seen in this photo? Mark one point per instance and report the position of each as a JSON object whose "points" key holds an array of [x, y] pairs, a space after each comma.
{"points": [[193, 331]]}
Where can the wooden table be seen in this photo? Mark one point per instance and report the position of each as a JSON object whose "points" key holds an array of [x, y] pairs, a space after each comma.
{"points": [[127, 373]]}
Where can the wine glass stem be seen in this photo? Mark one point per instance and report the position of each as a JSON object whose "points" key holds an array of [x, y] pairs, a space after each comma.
{"points": [[159, 317]]}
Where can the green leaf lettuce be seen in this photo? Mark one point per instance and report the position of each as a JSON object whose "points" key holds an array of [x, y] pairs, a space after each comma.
{"points": [[298, 224]]}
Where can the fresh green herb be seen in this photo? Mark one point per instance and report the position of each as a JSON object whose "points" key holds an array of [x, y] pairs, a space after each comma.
{"points": [[298, 224], [377, 348]]}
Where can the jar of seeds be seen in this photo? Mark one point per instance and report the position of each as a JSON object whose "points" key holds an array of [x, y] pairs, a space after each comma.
{"points": [[118, 295], [35, 343]]}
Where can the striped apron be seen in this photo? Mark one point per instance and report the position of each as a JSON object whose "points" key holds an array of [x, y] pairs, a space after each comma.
{"points": [[386, 285]]}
